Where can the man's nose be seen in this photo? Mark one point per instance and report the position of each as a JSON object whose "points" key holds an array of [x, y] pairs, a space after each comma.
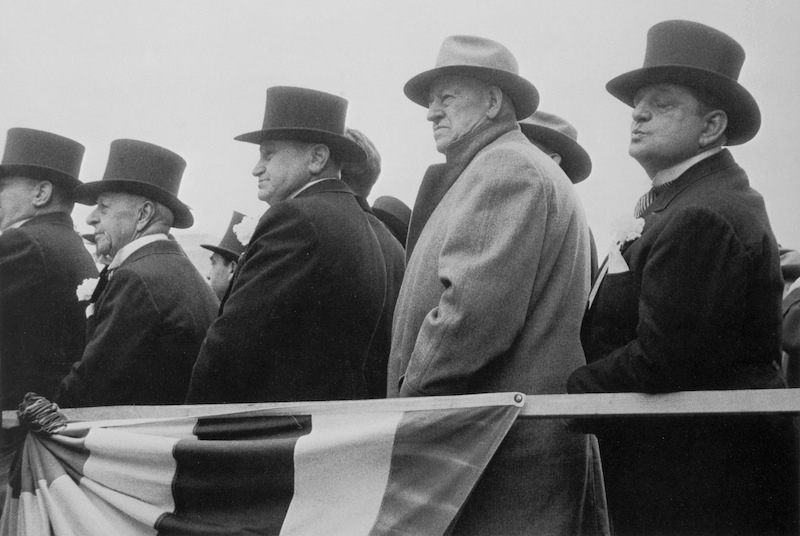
{"points": [[259, 169], [434, 112], [91, 219], [641, 113]]}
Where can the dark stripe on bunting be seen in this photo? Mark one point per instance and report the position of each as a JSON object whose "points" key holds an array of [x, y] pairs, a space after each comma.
{"points": [[238, 478]]}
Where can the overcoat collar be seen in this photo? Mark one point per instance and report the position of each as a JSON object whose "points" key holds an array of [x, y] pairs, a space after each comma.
{"points": [[327, 185], [159, 246], [712, 164], [440, 177], [57, 218]]}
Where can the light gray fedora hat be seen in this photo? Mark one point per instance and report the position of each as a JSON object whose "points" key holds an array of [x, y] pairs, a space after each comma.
{"points": [[481, 58]]}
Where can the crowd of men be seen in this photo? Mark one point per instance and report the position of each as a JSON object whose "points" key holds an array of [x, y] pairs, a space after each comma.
{"points": [[491, 283]]}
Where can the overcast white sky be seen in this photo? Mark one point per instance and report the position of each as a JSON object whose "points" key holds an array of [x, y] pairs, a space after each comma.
{"points": [[191, 74]]}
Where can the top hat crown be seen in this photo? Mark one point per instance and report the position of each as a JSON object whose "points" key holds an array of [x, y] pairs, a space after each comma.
{"points": [[557, 134], [230, 247], [141, 168], [42, 155], [701, 58], [307, 115], [481, 58]]}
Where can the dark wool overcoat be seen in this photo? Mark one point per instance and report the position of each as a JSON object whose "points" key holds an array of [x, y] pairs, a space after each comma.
{"points": [[699, 309], [42, 324], [302, 309], [143, 338], [394, 259]]}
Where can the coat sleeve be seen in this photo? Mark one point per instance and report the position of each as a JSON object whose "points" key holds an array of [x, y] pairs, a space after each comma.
{"points": [[692, 301], [277, 269], [487, 267], [127, 317], [791, 337]]}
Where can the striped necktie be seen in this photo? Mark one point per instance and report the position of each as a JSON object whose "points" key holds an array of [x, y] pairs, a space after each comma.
{"points": [[651, 195]]}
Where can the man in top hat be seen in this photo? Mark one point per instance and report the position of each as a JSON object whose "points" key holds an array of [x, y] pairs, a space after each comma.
{"points": [[691, 302], [361, 177], [301, 312], [151, 308], [559, 139], [42, 263], [395, 214], [496, 284], [225, 257]]}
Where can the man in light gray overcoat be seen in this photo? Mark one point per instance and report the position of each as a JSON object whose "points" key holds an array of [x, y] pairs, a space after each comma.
{"points": [[495, 289]]}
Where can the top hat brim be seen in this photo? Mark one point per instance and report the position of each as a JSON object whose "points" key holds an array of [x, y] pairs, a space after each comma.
{"points": [[87, 193], [523, 94], [341, 147], [575, 161], [744, 117], [39, 172], [229, 255]]}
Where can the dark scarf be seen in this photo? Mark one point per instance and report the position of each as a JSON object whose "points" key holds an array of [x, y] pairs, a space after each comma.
{"points": [[440, 177]]}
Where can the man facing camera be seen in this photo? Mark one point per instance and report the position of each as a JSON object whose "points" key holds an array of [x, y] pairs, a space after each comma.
{"points": [[305, 303], [151, 308], [691, 301]]}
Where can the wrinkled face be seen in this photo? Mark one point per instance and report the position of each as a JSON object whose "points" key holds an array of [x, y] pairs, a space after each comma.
{"points": [[667, 126], [114, 221], [282, 169], [220, 274], [16, 200], [457, 105]]}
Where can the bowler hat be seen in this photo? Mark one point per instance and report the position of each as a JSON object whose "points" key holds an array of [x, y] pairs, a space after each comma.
{"points": [[395, 214], [560, 136], [703, 59], [295, 113], [229, 247], [141, 168], [42, 155], [480, 58]]}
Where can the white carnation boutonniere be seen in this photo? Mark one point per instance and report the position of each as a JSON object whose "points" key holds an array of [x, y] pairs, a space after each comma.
{"points": [[86, 289], [626, 229], [244, 229]]}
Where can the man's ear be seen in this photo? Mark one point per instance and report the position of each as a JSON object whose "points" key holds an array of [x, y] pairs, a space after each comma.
{"points": [[495, 97], [715, 127], [231, 268], [42, 194], [144, 214], [318, 158]]}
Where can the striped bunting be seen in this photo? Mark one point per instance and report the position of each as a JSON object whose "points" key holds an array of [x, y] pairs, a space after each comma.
{"points": [[334, 469]]}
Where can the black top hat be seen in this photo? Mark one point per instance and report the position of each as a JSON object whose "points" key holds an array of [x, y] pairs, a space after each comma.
{"points": [[701, 58], [141, 168], [229, 247], [295, 113], [42, 155], [560, 136], [395, 214]]}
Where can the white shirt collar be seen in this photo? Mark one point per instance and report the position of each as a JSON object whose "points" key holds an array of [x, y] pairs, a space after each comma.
{"points": [[308, 185], [139, 243], [671, 173]]}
